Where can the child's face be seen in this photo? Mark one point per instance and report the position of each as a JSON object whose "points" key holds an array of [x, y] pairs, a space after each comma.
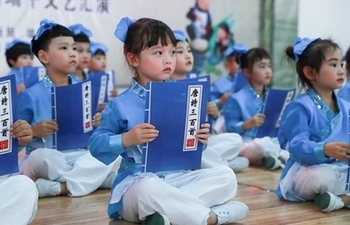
{"points": [[61, 56], [156, 63], [331, 75], [84, 55], [23, 60], [184, 58], [203, 4], [231, 64], [261, 72], [98, 63]]}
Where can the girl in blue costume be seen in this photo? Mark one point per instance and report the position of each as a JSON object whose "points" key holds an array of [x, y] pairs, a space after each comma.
{"points": [[315, 129], [242, 110], [72, 172], [176, 197]]}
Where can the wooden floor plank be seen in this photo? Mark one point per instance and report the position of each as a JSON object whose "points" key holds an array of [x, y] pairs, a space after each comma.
{"points": [[256, 190]]}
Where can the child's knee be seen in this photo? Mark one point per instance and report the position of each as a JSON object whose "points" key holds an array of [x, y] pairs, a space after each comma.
{"points": [[313, 181], [226, 175], [147, 187], [37, 157]]}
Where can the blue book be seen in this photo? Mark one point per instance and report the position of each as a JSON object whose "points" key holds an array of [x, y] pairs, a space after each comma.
{"points": [[110, 81], [177, 110], [275, 103], [8, 115], [192, 75], [32, 75], [240, 82], [73, 108]]}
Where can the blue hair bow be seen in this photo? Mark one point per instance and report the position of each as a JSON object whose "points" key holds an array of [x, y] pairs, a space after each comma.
{"points": [[122, 28], [179, 35], [300, 45], [80, 29], [95, 46], [14, 42], [45, 25], [239, 48]]}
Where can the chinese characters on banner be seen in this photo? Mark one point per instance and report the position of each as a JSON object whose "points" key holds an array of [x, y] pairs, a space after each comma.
{"points": [[192, 117], [87, 104], [100, 6], [5, 117], [103, 90], [25, 25], [289, 98]]}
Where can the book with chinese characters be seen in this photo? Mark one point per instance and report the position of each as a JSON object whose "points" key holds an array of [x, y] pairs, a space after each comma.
{"points": [[177, 110], [8, 116], [274, 105], [111, 83], [32, 75], [206, 78], [73, 108], [240, 82]]}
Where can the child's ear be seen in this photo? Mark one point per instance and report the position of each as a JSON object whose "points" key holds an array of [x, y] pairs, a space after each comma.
{"points": [[132, 59], [246, 72], [42, 56], [12, 62], [309, 73]]}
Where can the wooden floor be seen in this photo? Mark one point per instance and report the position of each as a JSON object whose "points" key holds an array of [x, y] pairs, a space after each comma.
{"points": [[256, 189]]}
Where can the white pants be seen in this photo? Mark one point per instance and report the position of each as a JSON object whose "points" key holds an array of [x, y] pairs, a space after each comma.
{"points": [[219, 125], [255, 150], [185, 198], [82, 172], [313, 180], [18, 200], [220, 149]]}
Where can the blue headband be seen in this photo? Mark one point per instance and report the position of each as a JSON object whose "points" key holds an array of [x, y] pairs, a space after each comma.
{"points": [[15, 42], [300, 45], [179, 35], [239, 48], [95, 46], [45, 25], [122, 28], [80, 29]]}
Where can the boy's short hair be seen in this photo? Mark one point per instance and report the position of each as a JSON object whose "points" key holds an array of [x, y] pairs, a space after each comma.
{"points": [[252, 56], [18, 49], [81, 38], [43, 42]]}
